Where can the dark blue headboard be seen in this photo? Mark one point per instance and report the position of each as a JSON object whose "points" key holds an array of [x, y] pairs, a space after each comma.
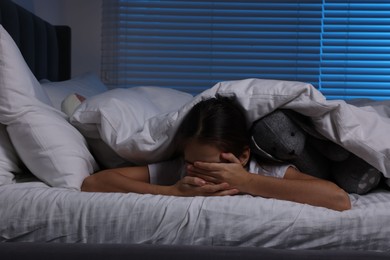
{"points": [[45, 47]]}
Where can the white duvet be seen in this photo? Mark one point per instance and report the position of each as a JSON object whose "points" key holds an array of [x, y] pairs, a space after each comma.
{"points": [[145, 136]]}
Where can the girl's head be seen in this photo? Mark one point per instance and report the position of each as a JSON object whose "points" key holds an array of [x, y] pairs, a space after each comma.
{"points": [[215, 122]]}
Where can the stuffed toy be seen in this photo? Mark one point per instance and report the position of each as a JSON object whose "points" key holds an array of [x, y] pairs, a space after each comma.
{"points": [[285, 136]]}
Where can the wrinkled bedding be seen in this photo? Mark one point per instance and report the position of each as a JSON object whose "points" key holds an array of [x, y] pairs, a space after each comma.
{"points": [[33, 212]]}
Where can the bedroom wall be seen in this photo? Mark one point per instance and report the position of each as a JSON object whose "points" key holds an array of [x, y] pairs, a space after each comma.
{"points": [[84, 17]]}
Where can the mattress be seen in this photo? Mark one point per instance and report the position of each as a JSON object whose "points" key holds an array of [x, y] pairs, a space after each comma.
{"points": [[34, 212]]}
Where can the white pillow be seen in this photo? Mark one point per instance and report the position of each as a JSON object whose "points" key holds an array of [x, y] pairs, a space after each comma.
{"points": [[49, 146], [10, 163], [110, 119], [86, 85]]}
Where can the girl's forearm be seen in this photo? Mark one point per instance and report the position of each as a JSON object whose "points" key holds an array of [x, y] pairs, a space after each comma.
{"points": [[114, 181], [315, 192]]}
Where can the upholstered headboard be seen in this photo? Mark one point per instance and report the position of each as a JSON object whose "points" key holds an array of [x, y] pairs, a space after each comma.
{"points": [[46, 48]]}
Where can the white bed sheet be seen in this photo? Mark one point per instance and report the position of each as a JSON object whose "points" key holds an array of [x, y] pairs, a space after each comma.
{"points": [[33, 212]]}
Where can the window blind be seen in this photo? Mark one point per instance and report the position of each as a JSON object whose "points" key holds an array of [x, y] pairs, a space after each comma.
{"points": [[341, 47], [356, 49], [191, 45]]}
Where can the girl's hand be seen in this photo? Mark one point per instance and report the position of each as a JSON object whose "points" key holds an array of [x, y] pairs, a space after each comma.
{"points": [[194, 186], [232, 172]]}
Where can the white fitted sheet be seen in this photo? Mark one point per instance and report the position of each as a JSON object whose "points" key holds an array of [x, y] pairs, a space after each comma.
{"points": [[33, 212]]}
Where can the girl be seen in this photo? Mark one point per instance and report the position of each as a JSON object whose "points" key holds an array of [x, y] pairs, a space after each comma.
{"points": [[216, 161]]}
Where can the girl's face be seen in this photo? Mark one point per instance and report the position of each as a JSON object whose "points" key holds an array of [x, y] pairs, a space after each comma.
{"points": [[197, 151]]}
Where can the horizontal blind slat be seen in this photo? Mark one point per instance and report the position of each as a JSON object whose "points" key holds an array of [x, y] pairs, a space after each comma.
{"points": [[191, 45], [355, 54]]}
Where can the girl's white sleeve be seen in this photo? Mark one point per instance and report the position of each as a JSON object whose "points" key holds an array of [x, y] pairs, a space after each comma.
{"points": [[273, 170]]}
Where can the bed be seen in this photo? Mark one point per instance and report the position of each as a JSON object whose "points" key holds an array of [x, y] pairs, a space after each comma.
{"points": [[46, 154]]}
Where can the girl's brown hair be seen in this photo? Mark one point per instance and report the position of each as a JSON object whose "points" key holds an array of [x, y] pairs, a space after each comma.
{"points": [[216, 121]]}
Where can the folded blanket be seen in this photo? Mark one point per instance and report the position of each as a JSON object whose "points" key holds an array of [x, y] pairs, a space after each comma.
{"points": [[146, 136]]}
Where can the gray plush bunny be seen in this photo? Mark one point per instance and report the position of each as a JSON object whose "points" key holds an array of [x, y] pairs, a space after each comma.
{"points": [[287, 136]]}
